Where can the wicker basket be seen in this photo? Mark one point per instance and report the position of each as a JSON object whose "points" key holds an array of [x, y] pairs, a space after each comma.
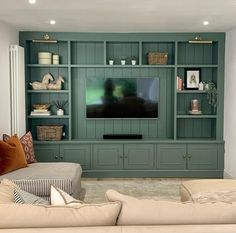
{"points": [[155, 58], [49, 133]]}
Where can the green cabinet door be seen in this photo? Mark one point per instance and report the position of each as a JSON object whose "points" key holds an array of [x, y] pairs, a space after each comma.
{"points": [[107, 156], [47, 153], [202, 156], [77, 154], [171, 156], [139, 156]]}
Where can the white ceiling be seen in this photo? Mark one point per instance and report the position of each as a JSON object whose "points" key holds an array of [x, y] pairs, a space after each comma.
{"points": [[120, 15]]}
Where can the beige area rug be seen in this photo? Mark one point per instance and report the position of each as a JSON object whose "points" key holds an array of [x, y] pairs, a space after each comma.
{"points": [[149, 188]]}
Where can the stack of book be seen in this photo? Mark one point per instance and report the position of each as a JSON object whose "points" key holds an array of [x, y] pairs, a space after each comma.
{"points": [[40, 112]]}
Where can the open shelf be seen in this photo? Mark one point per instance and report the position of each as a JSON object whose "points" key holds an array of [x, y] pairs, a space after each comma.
{"points": [[197, 54], [161, 47], [47, 91], [51, 116], [87, 53], [60, 48], [125, 49], [195, 116]]}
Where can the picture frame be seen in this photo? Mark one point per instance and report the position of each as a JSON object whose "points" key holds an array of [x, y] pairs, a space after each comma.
{"points": [[192, 78]]}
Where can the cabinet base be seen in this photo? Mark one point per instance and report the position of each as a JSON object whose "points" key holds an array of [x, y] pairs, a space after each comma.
{"points": [[152, 173]]}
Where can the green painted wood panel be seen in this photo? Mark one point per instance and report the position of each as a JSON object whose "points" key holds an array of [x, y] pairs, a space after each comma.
{"points": [[117, 50], [161, 47], [47, 153], [90, 53], [89, 129], [171, 156], [107, 157], [76, 154], [138, 156], [59, 48], [197, 53], [202, 157]]}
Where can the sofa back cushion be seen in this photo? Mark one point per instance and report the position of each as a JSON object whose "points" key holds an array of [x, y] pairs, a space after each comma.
{"points": [[12, 156], [36, 216], [149, 212]]}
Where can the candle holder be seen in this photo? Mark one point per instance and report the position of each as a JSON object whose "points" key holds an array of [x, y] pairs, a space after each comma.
{"points": [[195, 107]]}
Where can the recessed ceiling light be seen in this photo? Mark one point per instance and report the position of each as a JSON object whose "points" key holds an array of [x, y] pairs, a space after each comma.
{"points": [[52, 22], [32, 1], [205, 23]]}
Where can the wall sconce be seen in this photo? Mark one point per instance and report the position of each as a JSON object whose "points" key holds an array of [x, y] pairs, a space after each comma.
{"points": [[45, 39], [198, 40]]}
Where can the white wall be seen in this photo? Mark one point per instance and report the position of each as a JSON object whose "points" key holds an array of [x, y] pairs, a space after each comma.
{"points": [[230, 104], [8, 35]]}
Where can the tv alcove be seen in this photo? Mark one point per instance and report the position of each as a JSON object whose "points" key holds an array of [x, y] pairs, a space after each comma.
{"points": [[175, 144]]}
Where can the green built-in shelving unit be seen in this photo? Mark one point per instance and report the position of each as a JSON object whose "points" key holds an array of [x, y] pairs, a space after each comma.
{"points": [[86, 55]]}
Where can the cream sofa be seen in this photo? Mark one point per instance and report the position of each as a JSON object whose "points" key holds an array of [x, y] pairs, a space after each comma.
{"points": [[122, 214]]}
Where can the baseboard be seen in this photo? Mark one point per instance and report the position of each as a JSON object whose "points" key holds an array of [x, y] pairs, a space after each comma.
{"points": [[228, 176]]}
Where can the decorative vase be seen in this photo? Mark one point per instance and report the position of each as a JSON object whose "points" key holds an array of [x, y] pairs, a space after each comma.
{"points": [[133, 62], [60, 112], [122, 62]]}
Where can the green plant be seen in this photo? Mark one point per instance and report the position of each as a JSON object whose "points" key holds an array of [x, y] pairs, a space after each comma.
{"points": [[212, 95], [60, 104], [133, 58]]}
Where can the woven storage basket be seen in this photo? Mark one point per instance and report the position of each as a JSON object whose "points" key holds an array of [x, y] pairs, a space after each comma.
{"points": [[49, 133], [155, 58]]}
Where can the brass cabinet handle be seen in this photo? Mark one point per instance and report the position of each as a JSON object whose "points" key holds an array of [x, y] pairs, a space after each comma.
{"points": [[61, 156], [126, 157], [121, 156], [189, 156], [184, 156], [56, 157]]}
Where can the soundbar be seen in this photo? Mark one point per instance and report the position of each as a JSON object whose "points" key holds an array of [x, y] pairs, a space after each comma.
{"points": [[122, 136]]}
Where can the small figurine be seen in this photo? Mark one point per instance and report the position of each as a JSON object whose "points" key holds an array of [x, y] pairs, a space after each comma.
{"points": [[57, 85], [42, 85]]}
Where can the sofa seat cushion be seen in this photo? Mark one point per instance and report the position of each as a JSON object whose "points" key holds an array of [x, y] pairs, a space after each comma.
{"points": [[208, 190], [38, 177], [37, 216], [149, 212]]}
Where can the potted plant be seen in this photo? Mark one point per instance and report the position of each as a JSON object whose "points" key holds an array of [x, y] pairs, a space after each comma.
{"points": [[133, 60], [111, 61], [212, 94], [122, 60], [60, 105]]}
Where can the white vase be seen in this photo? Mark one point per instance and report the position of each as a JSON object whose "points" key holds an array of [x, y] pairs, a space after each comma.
{"points": [[133, 62], [122, 62], [60, 112]]}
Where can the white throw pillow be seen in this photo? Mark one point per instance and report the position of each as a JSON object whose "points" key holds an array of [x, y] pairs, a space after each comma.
{"points": [[59, 197]]}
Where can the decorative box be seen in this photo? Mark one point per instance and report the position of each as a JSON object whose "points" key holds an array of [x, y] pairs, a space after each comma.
{"points": [[44, 58]]}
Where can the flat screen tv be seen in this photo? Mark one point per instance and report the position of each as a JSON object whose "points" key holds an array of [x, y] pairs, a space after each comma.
{"points": [[122, 97]]}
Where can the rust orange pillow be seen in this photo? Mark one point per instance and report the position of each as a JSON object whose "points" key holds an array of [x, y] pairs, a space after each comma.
{"points": [[28, 147], [12, 155]]}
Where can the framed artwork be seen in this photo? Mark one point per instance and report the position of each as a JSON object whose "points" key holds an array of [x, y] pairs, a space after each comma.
{"points": [[192, 78]]}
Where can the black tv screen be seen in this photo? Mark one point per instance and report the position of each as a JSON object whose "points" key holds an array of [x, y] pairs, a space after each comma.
{"points": [[122, 97]]}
